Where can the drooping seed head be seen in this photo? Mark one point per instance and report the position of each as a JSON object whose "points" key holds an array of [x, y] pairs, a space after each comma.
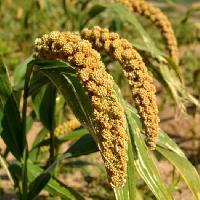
{"points": [[110, 126], [157, 17], [141, 83]]}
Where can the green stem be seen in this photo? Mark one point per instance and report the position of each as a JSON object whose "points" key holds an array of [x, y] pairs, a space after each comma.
{"points": [[24, 176], [52, 141], [24, 111], [51, 150]]}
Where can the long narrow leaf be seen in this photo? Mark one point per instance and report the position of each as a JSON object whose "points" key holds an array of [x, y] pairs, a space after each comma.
{"points": [[144, 163], [38, 184], [43, 103], [55, 187], [10, 121], [128, 192], [5, 165], [173, 153]]}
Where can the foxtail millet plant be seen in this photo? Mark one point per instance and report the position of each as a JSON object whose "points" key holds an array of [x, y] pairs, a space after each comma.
{"points": [[54, 89], [157, 17], [110, 125], [141, 83]]}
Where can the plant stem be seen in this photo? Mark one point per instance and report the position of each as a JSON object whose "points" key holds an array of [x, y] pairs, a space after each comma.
{"points": [[52, 142], [51, 150], [25, 153], [24, 176]]}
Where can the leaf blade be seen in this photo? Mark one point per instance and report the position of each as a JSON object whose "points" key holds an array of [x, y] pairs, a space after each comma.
{"points": [[173, 153], [10, 121]]}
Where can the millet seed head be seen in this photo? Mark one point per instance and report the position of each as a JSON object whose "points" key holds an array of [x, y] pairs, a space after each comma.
{"points": [[107, 111], [63, 128], [141, 83], [66, 127], [157, 17]]}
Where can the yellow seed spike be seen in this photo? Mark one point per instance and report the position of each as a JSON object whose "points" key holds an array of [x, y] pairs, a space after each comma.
{"points": [[108, 114], [66, 127], [44, 149], [63, 128], [134, 69], [157, 17]]}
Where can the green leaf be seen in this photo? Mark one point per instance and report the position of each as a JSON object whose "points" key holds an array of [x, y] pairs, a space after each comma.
{"points": [[15, 171], [5, 165], [46, 142], [85, 145], [96, 10], [69, 85], [144, 164], [43, 103], [38, 184], [178, 90], [141, 156], [92, 13], [55, 187], [175, 68], [20, 71], [128, 192], [169, 149], [36, 84], [73, 135], [169, 79], [10, 121], [29, 123]]}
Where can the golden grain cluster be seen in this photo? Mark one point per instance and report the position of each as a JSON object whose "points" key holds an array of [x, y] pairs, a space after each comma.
{"points": [[60, 130], [66, 127], [110, 133], [157, 17], [141, 83]]}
